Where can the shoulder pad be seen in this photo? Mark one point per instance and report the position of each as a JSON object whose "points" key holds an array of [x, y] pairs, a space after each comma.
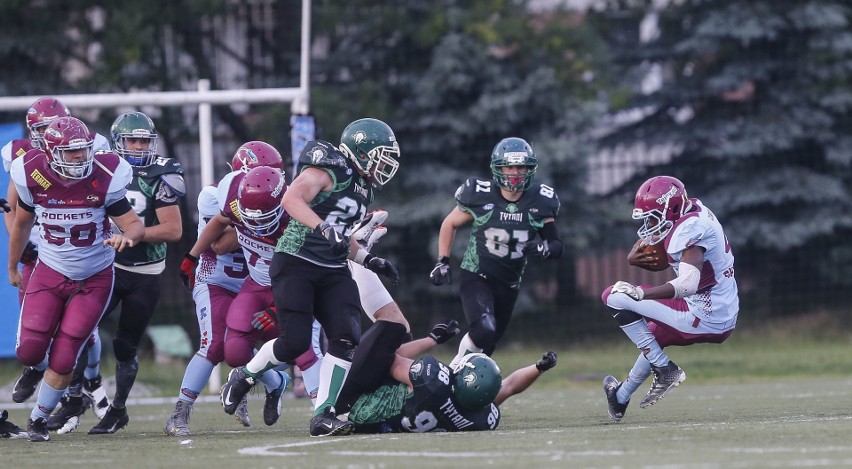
{"points": [[547, 201], [323, 154], [474, 191], [160, 166]]}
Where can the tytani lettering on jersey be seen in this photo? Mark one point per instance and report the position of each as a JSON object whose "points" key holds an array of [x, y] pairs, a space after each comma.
{"points": [[449, 409]]}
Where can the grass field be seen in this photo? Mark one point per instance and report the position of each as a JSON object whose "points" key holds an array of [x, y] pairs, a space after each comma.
{"points": [[752, 402]]}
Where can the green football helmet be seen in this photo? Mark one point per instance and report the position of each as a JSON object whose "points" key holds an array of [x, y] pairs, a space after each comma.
{"points": [[513, 151], [476, 381], [372, 146], [134, 125]]}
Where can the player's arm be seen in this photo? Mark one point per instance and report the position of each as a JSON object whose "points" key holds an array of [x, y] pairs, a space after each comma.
{"points": [[452, 222], [399, 369], [12, 200], [131, 226], [521, 379], [550, 246], [22, 225], [296, 201], [686, 283], [169, 230], [227, 242], [211, 232]]}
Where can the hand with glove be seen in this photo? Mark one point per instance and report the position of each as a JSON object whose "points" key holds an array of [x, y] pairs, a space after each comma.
{"points": [[441, 273], [4, 204], [369, 230], [264, 320], [536, 249], [443, 332], [30, 253], [547, 361], [187, 270], [382, 267], [338, 243], [629, 289]]}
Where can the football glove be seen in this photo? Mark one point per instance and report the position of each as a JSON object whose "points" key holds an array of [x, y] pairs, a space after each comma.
{"points": [[264, 320], [443, 332], [4, 204], [338, 243], [536, 249], [441, 273], [382, 267], [187, 270], [369, 230], [30, 253], [547, 361], [628, 289]]}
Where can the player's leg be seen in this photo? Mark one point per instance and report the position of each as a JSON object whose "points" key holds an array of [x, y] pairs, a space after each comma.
{"points": [[505, 298], [478, 305], [92, 380]]}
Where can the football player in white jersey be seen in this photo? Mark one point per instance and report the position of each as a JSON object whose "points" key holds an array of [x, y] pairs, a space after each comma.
{"points": [[74, 193], [700, 305]]}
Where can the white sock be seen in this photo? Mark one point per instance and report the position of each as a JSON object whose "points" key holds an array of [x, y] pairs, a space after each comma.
{"points": [[263, 360], [333, 373], [466, 346]]}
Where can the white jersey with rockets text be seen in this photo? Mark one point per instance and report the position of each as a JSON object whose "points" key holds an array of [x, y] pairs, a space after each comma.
{"points": [[225, 270], [716, 300]]}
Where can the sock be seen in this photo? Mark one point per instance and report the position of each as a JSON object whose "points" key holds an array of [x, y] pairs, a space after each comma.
{"points": [[195, 377], [638, 374], [47, 400], [263, 360], [311, 378], [93, 368], [125, 376], [641, 335], [466, 346], [333, 373]]}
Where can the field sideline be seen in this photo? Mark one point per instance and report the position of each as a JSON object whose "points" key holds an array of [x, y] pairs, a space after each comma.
{"points": [[755, 401]]}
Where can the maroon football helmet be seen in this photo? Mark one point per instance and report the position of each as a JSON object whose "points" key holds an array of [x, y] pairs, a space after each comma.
{"points": [[259, 200], [252, 154], [70, 146], [660, 201], [41, 113]]}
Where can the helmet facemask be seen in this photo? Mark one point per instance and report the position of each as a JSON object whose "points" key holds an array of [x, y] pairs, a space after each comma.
{"points": [[137, 157], [513, 182], [63, 162], [260, 222]]}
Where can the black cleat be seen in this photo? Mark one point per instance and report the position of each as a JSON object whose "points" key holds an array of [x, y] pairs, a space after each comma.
{"points": [[666, 378], [114, 420], [327, 424], [233, 391], [37, 429], [10, 430], [26, 385], [616, 409], [95, 390], [272, 404], [70, 406]]}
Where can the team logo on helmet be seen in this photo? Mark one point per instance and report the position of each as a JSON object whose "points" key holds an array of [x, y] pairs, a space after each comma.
{"points": [[360, 137]]}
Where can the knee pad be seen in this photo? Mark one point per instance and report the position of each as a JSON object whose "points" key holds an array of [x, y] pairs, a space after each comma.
{"points": [[624, 317], [482, 331], [342, 348], [31, 351], [216, 352], [124, 351]]}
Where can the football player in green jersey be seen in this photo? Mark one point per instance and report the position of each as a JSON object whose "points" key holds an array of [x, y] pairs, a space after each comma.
{"points": [[505, 213], [309, 270]]}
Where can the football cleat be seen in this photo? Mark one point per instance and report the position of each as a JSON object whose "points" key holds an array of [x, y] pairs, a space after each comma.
{"points": [[10, 430], [95, 390], [666, 378], [242, 413], [37, 429], [272, 404], [178, 423], [327, 424], [615, 408], [114, 420], [26, 385], [233, 391], [70, 406]]}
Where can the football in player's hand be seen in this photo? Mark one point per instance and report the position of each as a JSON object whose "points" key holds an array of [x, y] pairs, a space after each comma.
{"points": [[651, 257]]}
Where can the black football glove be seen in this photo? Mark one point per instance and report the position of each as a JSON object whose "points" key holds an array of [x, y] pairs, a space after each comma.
{"points": [[382, 266], [4, 204], [441, 273], [548, 361], [338, 243], [187, 270], [443, 332], [536, 249], [264, 320]]}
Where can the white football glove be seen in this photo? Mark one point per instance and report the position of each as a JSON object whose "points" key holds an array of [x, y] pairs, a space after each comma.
{"points": [[369, 230], [628, 289], [70, 425]]}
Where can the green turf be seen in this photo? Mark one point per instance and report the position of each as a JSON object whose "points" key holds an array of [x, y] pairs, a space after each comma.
{"points": [[754, 401]]}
